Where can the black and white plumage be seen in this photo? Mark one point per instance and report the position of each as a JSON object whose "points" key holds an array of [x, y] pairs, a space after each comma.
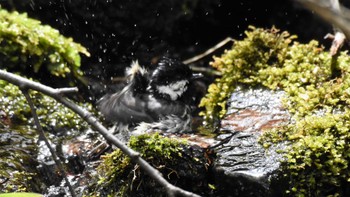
{"points": [[151, 100]]}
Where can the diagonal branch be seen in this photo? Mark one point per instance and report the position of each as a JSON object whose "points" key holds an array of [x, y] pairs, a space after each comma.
{"points": [[24, 83]]}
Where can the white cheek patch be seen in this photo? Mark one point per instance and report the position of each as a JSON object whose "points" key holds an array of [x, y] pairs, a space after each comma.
{"points": [[174, 90]]}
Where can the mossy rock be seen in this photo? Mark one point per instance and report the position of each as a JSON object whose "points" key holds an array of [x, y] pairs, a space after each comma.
{"points": [[180, 163], [317, 87]]}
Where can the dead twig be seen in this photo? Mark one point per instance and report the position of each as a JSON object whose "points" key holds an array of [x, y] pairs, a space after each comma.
{"points": [[206, 53], [209, 51]]}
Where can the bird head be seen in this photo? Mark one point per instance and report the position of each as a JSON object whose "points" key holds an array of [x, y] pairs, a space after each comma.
{"points": [[170, 79]]}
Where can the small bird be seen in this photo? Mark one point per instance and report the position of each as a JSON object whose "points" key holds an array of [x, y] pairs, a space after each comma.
{"points": [[151, 100]]}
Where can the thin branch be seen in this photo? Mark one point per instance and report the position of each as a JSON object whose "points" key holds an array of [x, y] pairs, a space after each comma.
{"points": [[43, 136], [67, 90], [209, 71], [209, 51], [88, 117]]}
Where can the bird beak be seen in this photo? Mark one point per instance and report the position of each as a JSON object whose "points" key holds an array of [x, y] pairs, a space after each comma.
{"points": [[196, 76]]}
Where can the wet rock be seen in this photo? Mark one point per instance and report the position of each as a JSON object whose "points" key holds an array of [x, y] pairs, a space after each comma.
{"points": [[243, 166], [17, 163]]}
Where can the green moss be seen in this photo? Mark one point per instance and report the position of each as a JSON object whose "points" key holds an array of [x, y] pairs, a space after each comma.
{"points": [[26, 44], [119, 176], [317, 160], [53, 115], [153, 146]]}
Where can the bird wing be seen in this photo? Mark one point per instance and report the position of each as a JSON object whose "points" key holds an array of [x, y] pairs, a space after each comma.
{"points": [[124, 107], [160, 108]]}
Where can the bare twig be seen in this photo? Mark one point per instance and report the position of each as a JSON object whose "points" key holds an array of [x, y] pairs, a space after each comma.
{"points": [[209, 71], [337, 43], [67, 90], [209, 51], [88, 117], [202, 55], [43, 136]]}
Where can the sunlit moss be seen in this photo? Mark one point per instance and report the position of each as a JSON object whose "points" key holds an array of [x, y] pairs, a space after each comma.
{"points": [[26, 44], [242, 64], [118, 175], [317, 97], [318, 160]]}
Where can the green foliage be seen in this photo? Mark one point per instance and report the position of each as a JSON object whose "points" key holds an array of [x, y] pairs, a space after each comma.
{"points": [[26, 44], [51, 113], [317, 160]]}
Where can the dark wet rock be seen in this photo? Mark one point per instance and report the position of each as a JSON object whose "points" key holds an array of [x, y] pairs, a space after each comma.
{"points": [[75, 156], [243, 166], [17, 160]]}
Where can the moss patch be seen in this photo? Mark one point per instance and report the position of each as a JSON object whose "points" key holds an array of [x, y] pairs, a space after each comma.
{"points": [[26, 44], [318, 90], [118, 176], [53, 115]]}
